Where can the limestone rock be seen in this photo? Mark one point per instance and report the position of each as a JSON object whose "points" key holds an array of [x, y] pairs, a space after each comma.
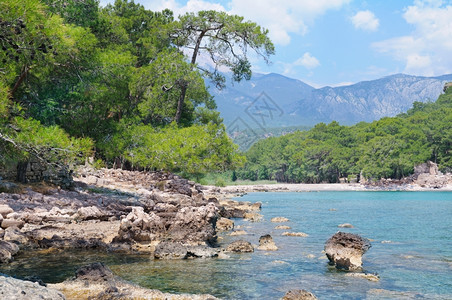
{"points": [[299, 234], [299, 295], [13, 234], [11, 288], [240, 246], [12, 223], [224, 224], [266, 243], [94, 272], [345, 250], [7, 250], [345, 225], [368, 276], [282, 227], [5, 210], [279, 220], [168, 250]]}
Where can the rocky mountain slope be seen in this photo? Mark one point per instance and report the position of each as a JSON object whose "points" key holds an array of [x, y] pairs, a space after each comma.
{"points": [[273, 100]]}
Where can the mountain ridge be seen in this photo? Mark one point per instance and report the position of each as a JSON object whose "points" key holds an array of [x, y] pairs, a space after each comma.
{"points": [[256, 103]]}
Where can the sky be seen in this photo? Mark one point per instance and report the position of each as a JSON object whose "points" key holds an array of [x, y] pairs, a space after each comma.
{"points": [[339, 42]]}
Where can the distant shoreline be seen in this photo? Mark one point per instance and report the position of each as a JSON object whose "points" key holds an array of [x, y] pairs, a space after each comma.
{"points": [[327, 187]]}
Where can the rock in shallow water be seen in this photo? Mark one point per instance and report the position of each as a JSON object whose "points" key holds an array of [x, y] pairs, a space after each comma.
{"points": [[240, 246], [345, 250], [299, 295], [266, 243]]}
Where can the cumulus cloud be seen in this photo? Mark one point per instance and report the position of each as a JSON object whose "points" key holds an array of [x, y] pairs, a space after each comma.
{"points": [[426, 51], [281, 17], [308, 61], [365, 20]]}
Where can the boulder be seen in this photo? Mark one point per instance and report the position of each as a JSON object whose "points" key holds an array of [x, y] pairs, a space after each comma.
{"points": [[12, 288], [282, 227], [345, 250], [13, 234], [168, 250], [5, 210], [240, 246], [266, 243], [94, 272], [224, 224], [12, 223], [299, 295]]}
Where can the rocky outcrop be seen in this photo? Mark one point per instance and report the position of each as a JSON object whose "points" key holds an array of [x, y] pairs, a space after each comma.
{"points": [[266, 243], [299, 295], [240, 246], [96, 281], [238, 209], [224, 224], [345, 250], [12, 288]]}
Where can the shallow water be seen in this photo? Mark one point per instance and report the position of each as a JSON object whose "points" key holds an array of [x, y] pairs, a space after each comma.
{"points": [[411, 251]]}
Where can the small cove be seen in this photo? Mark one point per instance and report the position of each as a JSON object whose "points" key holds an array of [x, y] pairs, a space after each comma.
{"points": [[411, 251]]}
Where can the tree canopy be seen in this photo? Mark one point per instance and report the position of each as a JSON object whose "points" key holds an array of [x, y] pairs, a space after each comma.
{"points": [[387, 148], [76, 77]]}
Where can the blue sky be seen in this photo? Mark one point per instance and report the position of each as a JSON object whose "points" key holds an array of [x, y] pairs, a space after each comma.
{"points": [[337, 42]]}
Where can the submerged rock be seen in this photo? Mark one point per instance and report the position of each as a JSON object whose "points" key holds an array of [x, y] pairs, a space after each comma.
{"points": [[240, 246], [345, 250], [279, 220], [368, 276], [96, 281], [266, 243], [299, 234], [169, 250], [299, 295]]}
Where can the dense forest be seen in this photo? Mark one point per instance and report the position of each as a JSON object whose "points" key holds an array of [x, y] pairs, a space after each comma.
{"points": [[120, 82], [387, 148]]}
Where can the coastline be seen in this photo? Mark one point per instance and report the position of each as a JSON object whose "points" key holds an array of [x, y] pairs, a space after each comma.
{"points": [[328, 187]]}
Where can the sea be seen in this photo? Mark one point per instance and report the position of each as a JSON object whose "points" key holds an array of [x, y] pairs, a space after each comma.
{"points": [[410, 234]]}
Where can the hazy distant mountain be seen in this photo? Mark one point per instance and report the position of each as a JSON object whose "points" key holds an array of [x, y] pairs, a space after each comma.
{"points": [[272, 100]]}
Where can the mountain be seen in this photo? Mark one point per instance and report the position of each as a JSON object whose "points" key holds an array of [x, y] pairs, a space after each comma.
{"points": [[273, 100]]}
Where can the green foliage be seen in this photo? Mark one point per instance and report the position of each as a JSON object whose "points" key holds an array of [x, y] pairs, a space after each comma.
{"points": [[193, 150], [388, 148]]}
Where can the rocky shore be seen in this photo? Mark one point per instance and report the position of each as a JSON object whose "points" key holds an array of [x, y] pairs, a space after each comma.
{"points": [[156, 213]]}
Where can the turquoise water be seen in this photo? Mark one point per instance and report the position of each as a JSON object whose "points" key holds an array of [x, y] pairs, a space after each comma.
{"points": [[411, 251]]}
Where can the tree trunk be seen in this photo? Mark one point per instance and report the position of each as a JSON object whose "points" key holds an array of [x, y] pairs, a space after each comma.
{"points": [[22, 171]]}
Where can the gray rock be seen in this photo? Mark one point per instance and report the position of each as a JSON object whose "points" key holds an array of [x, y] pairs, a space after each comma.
{"points": [[94, 272], [11, 288], [7, 250], [13, 234], [168, 250], [345, 250]]}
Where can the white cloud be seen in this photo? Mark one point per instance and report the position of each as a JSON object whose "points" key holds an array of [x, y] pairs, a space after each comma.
{"points": [[308, 61], [365, 20], [427, 50], [281, 17], [284, 17]]}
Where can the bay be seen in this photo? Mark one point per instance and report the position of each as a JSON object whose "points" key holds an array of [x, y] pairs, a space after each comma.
{"points": [[411, 251]]}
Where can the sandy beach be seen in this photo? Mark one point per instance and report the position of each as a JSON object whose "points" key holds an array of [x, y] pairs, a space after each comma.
{"points": [[332, 187]]}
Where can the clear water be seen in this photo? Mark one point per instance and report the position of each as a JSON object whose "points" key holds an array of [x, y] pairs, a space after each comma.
{"points": [[414, 260]]}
